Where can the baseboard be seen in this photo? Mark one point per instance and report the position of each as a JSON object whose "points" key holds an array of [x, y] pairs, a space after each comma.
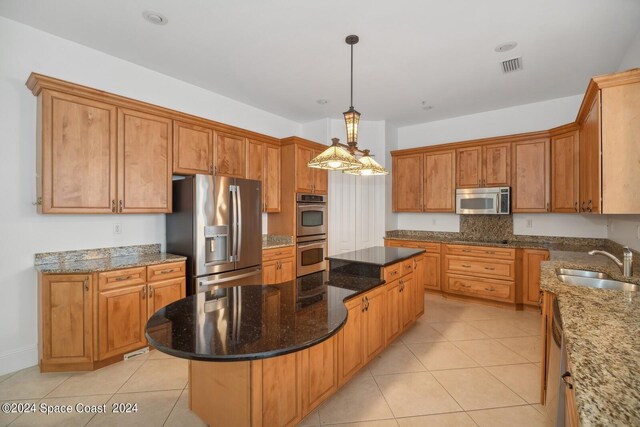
{"points": [[18, 359]]}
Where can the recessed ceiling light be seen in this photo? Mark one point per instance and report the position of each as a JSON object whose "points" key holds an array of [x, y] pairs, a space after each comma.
{"points": [[155, 17], [504, 47], [322, 101], [426, 106]]}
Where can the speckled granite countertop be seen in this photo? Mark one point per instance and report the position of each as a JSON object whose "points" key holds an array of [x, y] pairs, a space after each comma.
{"points": [[271, 241], [602, 333], [102, 259]]}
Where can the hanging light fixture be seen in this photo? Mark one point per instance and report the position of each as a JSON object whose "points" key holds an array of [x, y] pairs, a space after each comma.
{"points": [[342, 157]]}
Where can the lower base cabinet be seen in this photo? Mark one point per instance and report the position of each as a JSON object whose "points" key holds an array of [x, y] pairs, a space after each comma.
{"points": [[91, 320], [281, 393], [351, 341], [531, 259], [319, 373], [407, 298], [279, 265]]}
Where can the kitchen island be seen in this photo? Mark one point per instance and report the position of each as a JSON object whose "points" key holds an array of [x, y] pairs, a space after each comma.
{"points": [[269, 355]]}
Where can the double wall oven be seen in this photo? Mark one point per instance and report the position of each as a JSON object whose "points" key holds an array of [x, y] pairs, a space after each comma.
{"points": [[311, 233]]}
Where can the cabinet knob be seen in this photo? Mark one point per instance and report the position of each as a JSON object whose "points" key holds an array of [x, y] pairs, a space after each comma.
{"points": [[567, 379], [86, 285]]}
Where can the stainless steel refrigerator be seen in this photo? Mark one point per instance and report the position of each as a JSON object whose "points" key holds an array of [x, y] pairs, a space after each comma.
{"points": [[217, 224]]}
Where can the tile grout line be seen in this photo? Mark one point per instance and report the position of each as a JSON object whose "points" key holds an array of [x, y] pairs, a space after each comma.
{"points": [[173, 408]]}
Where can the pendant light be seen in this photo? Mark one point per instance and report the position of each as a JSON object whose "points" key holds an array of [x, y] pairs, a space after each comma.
{"points": [[342, 157]]}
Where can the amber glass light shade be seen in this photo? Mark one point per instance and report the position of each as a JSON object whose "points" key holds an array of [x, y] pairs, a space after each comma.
{"points": [[368, 167], [334, 158], [351, 119]]}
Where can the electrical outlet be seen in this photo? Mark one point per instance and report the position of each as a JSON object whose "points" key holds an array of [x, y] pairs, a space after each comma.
{"points": [[117, 228], [529, 223], [433, 221]]}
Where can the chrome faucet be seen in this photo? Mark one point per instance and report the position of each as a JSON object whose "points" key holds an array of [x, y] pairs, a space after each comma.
{"points": [[626, 265]]}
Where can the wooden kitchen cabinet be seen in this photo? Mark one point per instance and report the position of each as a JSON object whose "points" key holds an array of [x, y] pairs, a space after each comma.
{"points": [[351, 341], [565, 176], [77, 143], [263, 164], [394, 316], [407, 300], [255, 161], [192, 149], [319, 373], [163, 293], [439, 181], [590, 164], [407, 176], [483, 166], [374, 323], [278, 265], [229, 155], [320, 178], [122, 316], [281, 390], [145, 151], [531, 259], [432, 271], [309, 180], [420, 275], [530, 176], [469, 167], [66, 321]]}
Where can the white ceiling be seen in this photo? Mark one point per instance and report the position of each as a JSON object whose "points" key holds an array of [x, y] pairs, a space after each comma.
{"points": [[283, 55]]}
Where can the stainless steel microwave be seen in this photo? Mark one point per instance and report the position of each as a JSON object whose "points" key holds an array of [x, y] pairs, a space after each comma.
{"points": [[485, 201]]}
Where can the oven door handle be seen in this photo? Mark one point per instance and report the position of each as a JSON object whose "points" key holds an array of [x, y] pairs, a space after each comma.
{"points": [[311, 245], [315, 205]]}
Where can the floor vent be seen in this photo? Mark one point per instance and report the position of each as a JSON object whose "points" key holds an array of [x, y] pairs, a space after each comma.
{"points": [[511, 65], [136, 353]]}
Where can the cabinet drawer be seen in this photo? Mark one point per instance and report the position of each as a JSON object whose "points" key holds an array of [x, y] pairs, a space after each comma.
{"points": [[430, 247], [482, 288], [392, 272], [166, 271], [407, 266], [278, 253], [481, 251], [498, 269], [119, 278]]}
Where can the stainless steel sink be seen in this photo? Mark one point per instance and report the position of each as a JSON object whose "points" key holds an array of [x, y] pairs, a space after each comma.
{"points": [[582, 273], [593, 282]]}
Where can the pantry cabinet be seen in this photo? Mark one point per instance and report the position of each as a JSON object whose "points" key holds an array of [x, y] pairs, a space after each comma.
{"points": [[192, 149]]}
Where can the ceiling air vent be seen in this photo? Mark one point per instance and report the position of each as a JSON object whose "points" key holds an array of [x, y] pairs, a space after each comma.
{"points": [[511, 65]]}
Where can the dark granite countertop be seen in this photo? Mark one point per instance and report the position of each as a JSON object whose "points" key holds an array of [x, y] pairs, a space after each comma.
{"points": [[380, 256], [109, 263], [602, 336], [256, 321]]}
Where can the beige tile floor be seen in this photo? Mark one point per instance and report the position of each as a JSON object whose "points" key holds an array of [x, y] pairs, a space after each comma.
{"points": [[461, 364]]}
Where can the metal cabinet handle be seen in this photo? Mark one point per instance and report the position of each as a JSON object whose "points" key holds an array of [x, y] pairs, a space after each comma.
{"points": [[150, 292], [540, 296], [465, 286], [489, 289], [120, 204], [589, 209], [582, 208], [547, 206], [171, 270], [466, 266], [466, 250], [393, 273], [144, 292], [113, 205], [567, 379], [490, 268], [576, 207], [86, 285], [121, 278], [490, 252]]}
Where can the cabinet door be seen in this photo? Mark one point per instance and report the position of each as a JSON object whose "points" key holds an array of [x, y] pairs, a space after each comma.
{"points": [[496, 165], [282, 390], [565, 176], [531, 260], [320, 373], [407, 183], [304, 174], [271, 178], [270, 272], [78, 154], [531, 176], [122, 316], [67, 318], [439, 181], [393, 321], [229, 155], [320, 178], [144, 162], [287, 270], [407, 296], [432, 272], [374, 323], [468, 167], [590, 165], [351, 341], [255, 158], [192, 149], [420, 274], [164, 293]]}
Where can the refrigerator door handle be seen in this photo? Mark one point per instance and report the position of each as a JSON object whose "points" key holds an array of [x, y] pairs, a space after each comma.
{"points": [[234, 206], [238, 223]]}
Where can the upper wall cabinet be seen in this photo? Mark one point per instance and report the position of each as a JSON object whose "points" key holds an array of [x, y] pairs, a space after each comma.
{"points": [[76, 154], [565, 180], [483, 166], [192, 149], [145, 151], [407, 173], [609, 120], [309, 180], [530, 180], [229, 155], [263, 164]]}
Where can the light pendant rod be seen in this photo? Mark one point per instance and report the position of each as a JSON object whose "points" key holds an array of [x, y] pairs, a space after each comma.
{"points": [[351, 103]]}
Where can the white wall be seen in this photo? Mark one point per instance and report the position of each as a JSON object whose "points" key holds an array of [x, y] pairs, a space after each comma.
{"points": [[625, 229], [24, 232], [356, 204], [519, 119], [632, 58]]}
